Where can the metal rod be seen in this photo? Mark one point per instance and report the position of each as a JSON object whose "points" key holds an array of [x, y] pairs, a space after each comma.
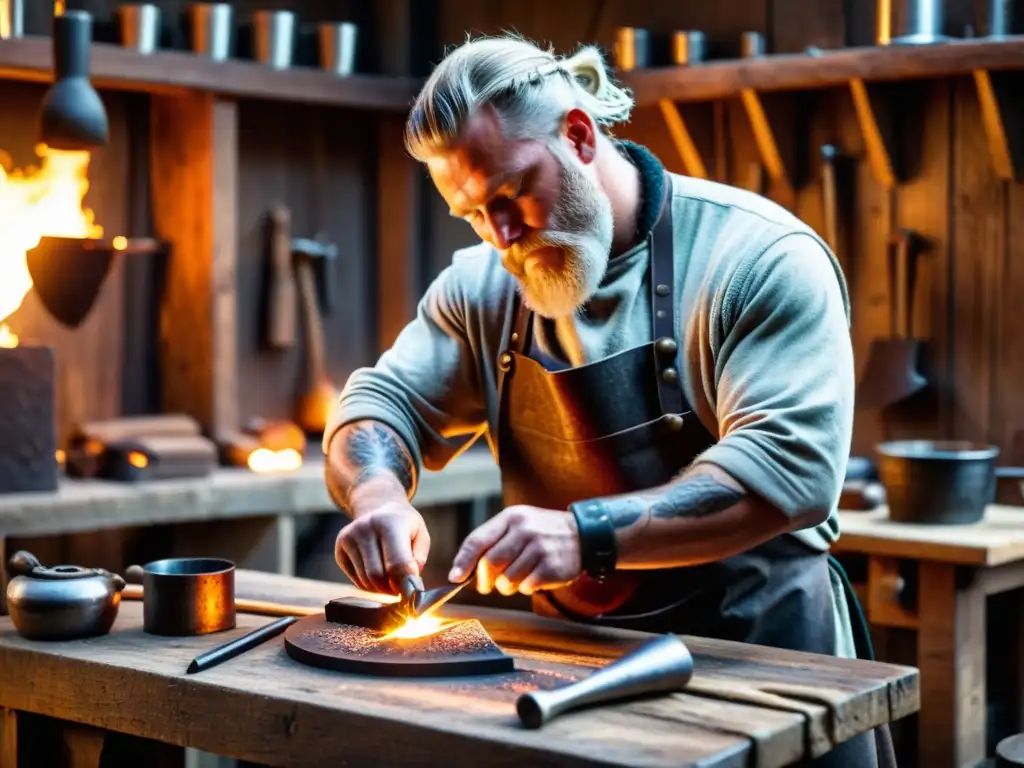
{"points": [[240, 645]]}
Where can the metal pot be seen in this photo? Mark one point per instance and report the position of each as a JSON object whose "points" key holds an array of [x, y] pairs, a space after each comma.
{"points": [[946, 482], [186, 596], [64, 602]]}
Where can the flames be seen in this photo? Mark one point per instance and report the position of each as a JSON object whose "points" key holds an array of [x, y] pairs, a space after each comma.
{"points": [[424, 626], [37, 202]]}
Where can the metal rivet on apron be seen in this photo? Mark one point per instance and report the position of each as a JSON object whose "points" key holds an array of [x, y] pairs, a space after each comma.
{"points": [[505, 362], [515, 337], [665, 346], [661, 290], [673, 422], [671, 375], [660, 313]]}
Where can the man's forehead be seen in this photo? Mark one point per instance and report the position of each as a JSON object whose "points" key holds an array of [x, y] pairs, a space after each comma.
{"points": [[477, 160]]}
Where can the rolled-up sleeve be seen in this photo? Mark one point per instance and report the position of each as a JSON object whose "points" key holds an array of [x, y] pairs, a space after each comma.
{"points": [[784, 379], [427, 385]]}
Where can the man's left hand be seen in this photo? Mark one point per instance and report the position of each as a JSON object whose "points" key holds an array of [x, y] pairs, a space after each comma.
{"points": [[522, 549]]}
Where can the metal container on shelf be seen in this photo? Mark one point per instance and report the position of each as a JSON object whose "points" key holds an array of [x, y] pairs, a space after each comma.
{"points": [[211, 29], [337, 47], [688, 47], [12, 19], [274, 38], [910, 22], [139, 27], [632, 48], [752, 45]]}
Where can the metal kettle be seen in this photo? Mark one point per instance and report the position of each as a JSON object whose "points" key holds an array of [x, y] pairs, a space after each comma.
{"points": [[63, 602]]}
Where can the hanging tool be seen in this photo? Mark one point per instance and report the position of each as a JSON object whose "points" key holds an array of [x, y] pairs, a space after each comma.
{"points": [[319, 394], [892, 373], [282, 294], [829, 156]]}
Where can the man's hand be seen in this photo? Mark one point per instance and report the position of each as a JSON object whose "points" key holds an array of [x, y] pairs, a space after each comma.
{"points": [[521, 549], [379, 547]]}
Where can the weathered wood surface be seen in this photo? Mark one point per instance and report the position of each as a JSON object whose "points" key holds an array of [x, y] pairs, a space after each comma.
{"points": [[227, 493], [996, 540], [747, 706]]}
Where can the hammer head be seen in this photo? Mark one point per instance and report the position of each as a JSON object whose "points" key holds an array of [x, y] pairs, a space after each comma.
{"points": [[324, 258]]}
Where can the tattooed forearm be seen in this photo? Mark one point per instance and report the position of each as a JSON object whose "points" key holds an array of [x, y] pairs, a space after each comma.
{"points": [[694, 496], [365, 450]]}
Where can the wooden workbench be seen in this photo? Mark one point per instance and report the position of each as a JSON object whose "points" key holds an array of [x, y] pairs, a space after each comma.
{"points": [[935, 580], [747, 706]]}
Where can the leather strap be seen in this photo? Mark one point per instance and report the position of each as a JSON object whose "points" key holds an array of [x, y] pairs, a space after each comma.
{"points": [[599, 549], [663, 308]]}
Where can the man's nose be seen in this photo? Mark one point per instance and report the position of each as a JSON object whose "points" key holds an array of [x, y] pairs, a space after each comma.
{"points": [[504, 229]]}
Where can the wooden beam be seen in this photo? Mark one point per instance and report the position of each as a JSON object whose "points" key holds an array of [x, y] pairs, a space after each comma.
{"points": [[194, 162], [1002, 113], [777, 122], [685, 143], [8, 738], [951, 656], [889, 116]]}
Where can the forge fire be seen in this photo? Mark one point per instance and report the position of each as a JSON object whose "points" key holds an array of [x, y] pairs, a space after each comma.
{"points": [[36, 202]]}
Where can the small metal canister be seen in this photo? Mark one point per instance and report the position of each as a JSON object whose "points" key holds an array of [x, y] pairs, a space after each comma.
{"points": [[12, 19], [632, 48], [688, 47]]}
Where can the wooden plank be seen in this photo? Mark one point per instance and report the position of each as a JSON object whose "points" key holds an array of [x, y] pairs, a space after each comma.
{"points": [[865, 264], [399, 235], [175, 72], [8, 738], [195, 170], [978, 242], [996, 540], [269, 694], [227, 493], [951, 656]]}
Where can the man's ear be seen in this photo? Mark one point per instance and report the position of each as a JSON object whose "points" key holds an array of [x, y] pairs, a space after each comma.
{"points": [[581, 133]]}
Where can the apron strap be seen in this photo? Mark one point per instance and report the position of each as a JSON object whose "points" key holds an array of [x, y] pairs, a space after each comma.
{"points": [[663, 307]]}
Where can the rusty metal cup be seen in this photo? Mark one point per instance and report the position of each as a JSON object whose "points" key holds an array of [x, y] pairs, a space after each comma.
{"points": [[186, 596]]}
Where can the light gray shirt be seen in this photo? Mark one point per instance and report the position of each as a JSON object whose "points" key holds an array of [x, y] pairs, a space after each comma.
{"points": [[767, 359]]}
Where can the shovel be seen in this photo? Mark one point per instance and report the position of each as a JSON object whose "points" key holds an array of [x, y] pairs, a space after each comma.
{"points": [[68, 273], [892, 372]]}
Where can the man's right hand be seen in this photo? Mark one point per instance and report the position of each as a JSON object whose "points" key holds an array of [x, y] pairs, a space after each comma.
{"points": [[382, 545]]}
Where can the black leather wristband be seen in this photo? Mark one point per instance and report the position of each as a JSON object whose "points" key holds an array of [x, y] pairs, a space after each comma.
{"points": [[599, 549]]}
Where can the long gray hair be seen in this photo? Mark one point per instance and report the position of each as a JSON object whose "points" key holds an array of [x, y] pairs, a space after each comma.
{"points": [[530, 89]]}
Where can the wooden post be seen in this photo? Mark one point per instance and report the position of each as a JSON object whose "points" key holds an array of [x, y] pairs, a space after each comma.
{"points": [[194, 162], [8, 738], [951, 657], [405, 44]]}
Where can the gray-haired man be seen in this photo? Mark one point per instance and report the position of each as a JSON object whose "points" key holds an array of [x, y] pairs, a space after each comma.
{"points": [[661, 365]]}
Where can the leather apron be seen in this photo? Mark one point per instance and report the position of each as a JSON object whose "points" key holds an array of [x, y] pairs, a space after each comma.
{"points": [[621, 425]]}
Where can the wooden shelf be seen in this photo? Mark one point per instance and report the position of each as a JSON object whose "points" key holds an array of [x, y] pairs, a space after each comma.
{"points": [[30, 58], [804, 72], [881, 81]]}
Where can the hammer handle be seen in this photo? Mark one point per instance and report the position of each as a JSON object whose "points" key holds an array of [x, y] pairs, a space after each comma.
{"points": [[282, 299]]}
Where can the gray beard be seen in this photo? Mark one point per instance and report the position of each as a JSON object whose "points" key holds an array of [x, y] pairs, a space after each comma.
{"points": [[581, 228]]}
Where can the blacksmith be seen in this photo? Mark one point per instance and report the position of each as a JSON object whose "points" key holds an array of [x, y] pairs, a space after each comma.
{"points": [[662, 366]]}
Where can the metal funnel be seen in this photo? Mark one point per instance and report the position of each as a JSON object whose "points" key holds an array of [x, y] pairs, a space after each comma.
{"points": [[661, 665]]}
